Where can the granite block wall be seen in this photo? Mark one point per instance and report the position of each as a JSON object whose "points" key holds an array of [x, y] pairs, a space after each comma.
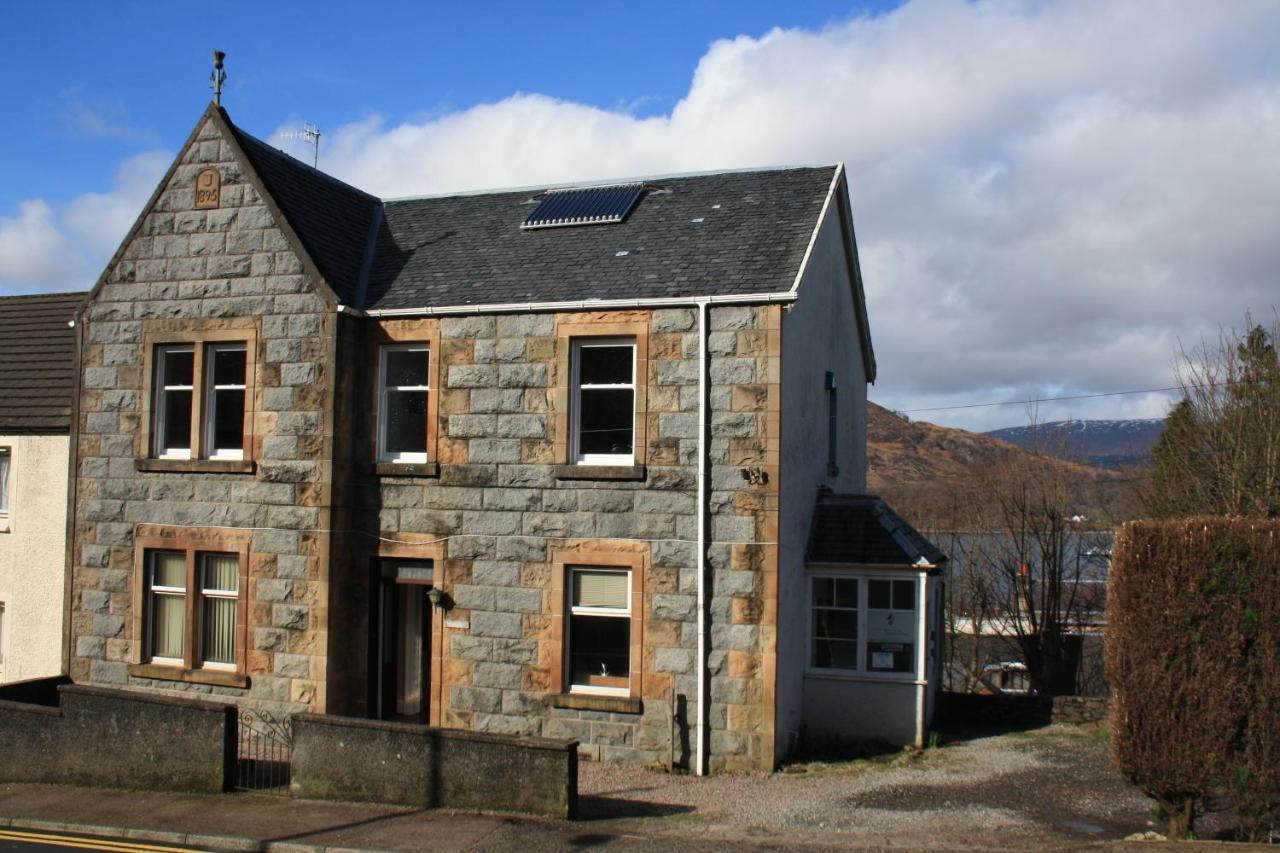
{"points": [[192, 272]]}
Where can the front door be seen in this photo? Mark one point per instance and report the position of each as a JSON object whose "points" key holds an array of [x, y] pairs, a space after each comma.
{"points": [[404, 643]]}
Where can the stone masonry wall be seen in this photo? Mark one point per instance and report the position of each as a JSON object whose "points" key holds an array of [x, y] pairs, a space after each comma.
{"points": [[203, 270], [501, 508]]}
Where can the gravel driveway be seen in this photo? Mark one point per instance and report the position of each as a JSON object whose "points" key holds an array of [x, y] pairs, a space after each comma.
{"points": [[1052, 787]]}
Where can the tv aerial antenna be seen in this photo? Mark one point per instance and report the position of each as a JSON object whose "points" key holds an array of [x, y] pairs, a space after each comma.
{"points": [[311, 134]]}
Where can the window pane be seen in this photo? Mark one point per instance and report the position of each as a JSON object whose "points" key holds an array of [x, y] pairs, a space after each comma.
{"points": [[4, 481], [177, 420], [822, 592], [228, 420], [170, 569], [228, 367], [607, 420], [222, 572], [904, 595], [835, 624], [407, 367], [605, 365], [600, 647], [179, 367], [835, 654], [219, 640], [406, 429], [878, 597], [600, 589], [847, 592], [168, 614]]}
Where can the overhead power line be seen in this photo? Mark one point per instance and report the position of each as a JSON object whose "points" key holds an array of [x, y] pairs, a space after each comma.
{"points": [[1034, 400]]}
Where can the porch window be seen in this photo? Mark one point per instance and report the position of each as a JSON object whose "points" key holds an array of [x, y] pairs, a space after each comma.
{"points": [[604, 401], [863, 625], [5, 457], [403, 389], [599, 636]]}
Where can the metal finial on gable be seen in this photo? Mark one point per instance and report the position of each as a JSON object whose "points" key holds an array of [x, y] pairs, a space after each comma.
{"points": [[218, 77]]}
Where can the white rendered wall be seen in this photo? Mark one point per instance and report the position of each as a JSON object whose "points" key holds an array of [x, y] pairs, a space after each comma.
{"points": [[32, 555], [819, 333]]}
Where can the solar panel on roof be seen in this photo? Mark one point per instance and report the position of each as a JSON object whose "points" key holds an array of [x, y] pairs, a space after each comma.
{"points": [[585, 206]]}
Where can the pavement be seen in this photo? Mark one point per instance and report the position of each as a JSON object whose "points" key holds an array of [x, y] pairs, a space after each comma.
{"points": [[255, 822]]}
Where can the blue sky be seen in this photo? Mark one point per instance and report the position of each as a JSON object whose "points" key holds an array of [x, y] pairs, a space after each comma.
{"points": [[1051, 197]]}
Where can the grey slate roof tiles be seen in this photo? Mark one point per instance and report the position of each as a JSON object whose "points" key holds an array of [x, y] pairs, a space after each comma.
{"points": [[37, 362], [863, 530], [726, 234], [333, 220]]}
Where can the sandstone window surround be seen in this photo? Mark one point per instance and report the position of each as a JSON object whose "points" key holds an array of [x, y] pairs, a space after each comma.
{"points": [[190, 605], [863, 626], [405, 398], [596, 587], [199, 398], [591, 442]]}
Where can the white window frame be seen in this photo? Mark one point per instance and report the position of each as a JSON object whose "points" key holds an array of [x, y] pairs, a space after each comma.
{"points": [[210, 400], [384, 391], [153, 590], [162, 451], [612, 612], [862, 671], [206, 592], [575, 415], [6, 487]]}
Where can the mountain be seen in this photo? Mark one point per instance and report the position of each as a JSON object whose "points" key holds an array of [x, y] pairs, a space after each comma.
{"points": [[1106, 444], [940, 477]]}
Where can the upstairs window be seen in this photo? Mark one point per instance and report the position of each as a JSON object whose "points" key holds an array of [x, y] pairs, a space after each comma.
{"points": [[404, 377], [199, 398], [5, 464], [604, 401]]}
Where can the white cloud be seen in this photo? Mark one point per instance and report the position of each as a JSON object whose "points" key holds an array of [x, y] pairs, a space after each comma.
{"points": [[66, 247], [1049, 194]]}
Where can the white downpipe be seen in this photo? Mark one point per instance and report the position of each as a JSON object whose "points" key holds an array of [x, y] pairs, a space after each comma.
{"points": [[703, 500], [922, 654]]}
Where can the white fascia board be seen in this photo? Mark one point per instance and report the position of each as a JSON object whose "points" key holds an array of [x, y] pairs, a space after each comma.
{"points": [[822, 217], [578, 305]]}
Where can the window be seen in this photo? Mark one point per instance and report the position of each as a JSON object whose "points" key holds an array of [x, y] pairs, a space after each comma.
{"points": [[863, 625], [2, 626], [404, 386], [224, 395], [212, 643], [200, 397], [599, 630], [5, 458], [604, 401]]}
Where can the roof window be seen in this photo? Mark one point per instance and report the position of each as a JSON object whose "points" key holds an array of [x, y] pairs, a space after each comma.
{"points": [[584, 206]]}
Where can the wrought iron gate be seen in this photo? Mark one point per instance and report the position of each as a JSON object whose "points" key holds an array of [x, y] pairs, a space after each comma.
{"points": [[262, 752]]}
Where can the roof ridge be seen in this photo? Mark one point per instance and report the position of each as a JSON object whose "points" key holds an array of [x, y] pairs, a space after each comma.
{"points": [[608, 182]]}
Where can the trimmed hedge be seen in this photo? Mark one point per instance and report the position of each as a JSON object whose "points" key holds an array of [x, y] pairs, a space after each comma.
{"points": [[1193, 657]]}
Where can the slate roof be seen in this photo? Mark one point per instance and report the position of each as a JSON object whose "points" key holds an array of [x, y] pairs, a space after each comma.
{"points": [[37, 362], [726, 234], [863, 530], [733, 233], [332, 219]]}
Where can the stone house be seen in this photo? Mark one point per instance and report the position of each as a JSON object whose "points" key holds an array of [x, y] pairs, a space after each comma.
{"points": [[37, 378], [440, 460]]}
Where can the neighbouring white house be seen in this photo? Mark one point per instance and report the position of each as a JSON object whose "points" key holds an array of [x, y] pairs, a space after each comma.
{"points": [[37, 380]]}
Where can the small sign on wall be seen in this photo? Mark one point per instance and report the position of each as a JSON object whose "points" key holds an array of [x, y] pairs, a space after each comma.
{"points": [[208, 189]]}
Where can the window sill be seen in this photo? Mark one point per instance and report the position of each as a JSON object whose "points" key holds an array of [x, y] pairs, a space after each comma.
{"points": [[878, 678], [406, 469], [215, 677], [590, 702], [600, 472], [196, 466]]}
